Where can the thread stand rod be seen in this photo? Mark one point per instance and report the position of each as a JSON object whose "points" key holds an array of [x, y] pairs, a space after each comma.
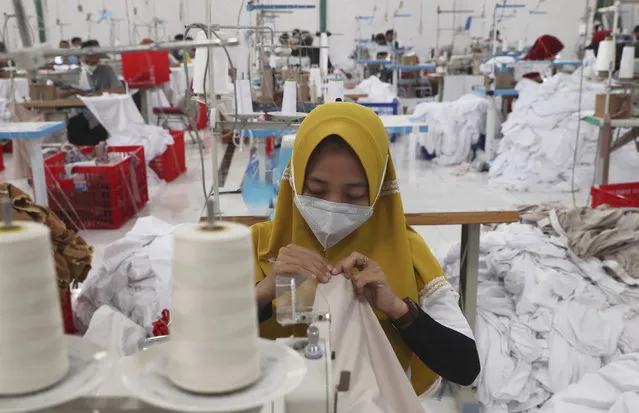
{"points": [[6, 212]]}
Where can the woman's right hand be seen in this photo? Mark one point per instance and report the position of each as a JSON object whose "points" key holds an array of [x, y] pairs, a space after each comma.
{"points": [[294, 260]]}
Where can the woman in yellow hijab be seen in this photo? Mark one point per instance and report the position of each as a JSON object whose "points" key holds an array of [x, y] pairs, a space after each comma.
{"points": [[339, 211]]}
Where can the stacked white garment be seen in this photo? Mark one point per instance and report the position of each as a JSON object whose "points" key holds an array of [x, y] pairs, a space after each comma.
{"points": [[544, 319], [540, 136], [121, 118], [453, 127], [613, 389], [135, 277], [377, 91]]}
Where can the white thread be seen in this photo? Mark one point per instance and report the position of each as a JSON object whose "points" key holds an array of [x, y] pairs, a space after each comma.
{"points": [[214, 333], [33, 348]]}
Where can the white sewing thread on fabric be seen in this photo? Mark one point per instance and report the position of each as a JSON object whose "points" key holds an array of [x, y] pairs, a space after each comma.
{"points": [[33, 348], [214, 332]]}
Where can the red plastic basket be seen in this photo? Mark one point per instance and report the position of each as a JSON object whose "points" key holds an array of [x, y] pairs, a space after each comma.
{"points": [[67, 314], [8, 147], [146, 69], [616, 195], [98, 197], [172, 163]]}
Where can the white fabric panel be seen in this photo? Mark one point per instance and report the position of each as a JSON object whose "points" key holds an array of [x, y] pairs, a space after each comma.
{"points": [[20, 92], [378, 382]]}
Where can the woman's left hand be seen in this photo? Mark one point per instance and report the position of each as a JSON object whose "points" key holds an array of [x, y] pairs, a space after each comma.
{"points": [[370, 281]]}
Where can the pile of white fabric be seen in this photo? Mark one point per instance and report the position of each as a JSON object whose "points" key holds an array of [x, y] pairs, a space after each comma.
{"points": [[545, 318], [453, 127], [134, 278], [613, 389], [121, 118], [377, 91], [540, 139]]}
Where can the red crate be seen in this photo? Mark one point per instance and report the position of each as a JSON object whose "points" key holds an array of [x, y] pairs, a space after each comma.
{"points": [[8, 147], [617, 195], [99, 197], [172, 163], [67, 313], [146, 69]]}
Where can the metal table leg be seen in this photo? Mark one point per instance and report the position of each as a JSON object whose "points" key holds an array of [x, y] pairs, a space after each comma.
{"points": [[469, 267], [491, 129], [37, 168]]}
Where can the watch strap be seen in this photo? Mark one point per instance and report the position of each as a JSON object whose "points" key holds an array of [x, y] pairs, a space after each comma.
{"points": [[409, 318]]}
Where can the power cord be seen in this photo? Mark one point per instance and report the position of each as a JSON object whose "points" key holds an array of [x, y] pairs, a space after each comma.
{"points": [[581, 88]]}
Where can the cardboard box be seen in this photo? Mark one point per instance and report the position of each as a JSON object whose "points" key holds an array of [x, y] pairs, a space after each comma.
{"points": [[619, 107], [503, 81], [43, 92], [408, 60]]}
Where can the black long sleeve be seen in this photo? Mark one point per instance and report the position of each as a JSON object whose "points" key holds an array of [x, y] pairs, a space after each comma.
{"points": [[447, 352]]}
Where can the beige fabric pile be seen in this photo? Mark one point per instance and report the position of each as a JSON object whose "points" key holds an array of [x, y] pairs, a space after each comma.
{"points": [[610, 234], [72, 254]]}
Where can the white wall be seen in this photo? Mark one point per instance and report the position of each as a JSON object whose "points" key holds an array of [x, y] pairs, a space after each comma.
{"points": [[562, 20]]}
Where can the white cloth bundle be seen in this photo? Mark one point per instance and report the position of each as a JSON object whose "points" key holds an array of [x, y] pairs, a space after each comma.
{"points": [[116, 333], [613, 389], [377, 91], [453, 127], [121, 118], [540, 139], [545, 318], [134, 278]]}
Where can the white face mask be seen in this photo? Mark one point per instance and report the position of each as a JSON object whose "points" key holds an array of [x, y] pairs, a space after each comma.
{"points": [[331, 222], [89, 69]]}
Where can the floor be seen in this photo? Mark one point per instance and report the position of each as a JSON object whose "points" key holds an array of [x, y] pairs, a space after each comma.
{"points": [[425, 187]]}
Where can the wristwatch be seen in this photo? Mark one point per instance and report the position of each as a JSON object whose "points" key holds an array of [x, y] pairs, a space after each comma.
{"points": [[409, 318]]}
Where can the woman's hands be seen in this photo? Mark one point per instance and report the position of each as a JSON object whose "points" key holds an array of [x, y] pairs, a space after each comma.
{"points": [[370, 281], [293, 260]]}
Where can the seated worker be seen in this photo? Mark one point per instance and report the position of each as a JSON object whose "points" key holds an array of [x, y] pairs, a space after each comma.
{"points": [[313, 53], [84, 128], [4, 63], [380, 39], [76, 42], [340, 211]]}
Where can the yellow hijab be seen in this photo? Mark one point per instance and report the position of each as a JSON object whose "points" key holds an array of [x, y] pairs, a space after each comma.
{"points": [[385, 237]]}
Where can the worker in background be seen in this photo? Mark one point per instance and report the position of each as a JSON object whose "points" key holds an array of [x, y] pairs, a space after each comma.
{"points": [[4, 63], [76, 42], [66, 60], [391, 39], [380, 39], [599, 36], [313, 53], [84, 128], [339, 211]]}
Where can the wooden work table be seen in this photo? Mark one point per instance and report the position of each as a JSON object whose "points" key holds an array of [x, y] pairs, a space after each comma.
{"points": [[54, 104], [470, 221]]}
